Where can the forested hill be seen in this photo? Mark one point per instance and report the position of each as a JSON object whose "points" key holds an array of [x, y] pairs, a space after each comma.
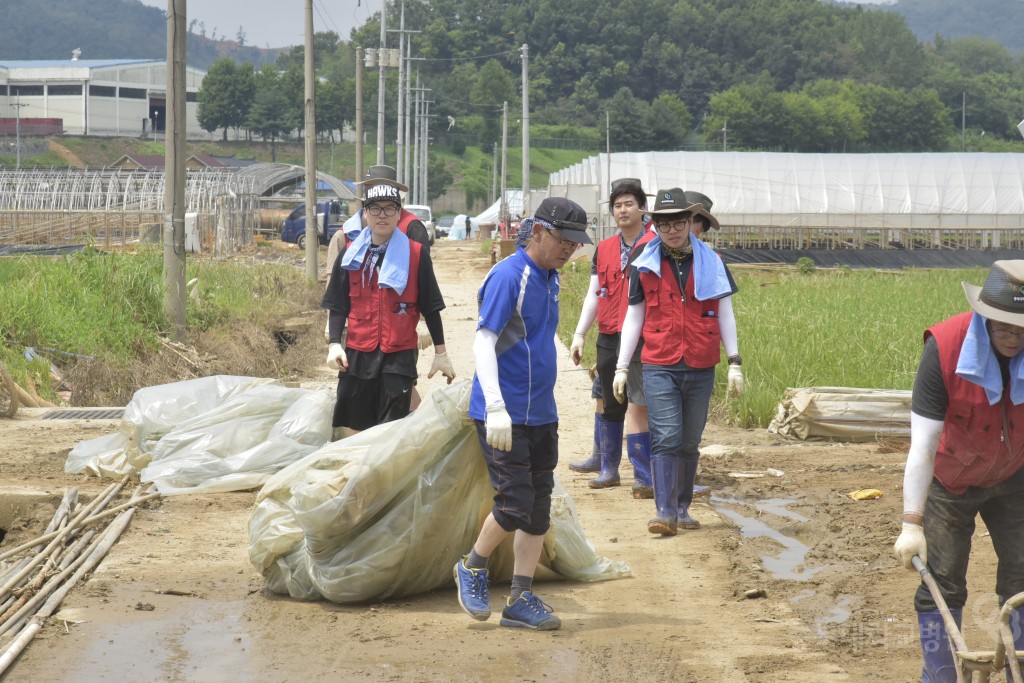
{"points": [[104, 29], [1002, 20]]}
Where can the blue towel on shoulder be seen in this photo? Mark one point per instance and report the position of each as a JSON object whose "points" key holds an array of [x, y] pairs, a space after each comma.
{"points": [[709, 278], [394, 272], [353, 225], [978, 365]]}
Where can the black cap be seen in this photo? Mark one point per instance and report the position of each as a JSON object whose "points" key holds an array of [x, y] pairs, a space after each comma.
{"points": [[374, 194], [383, 174], [567, 216]]}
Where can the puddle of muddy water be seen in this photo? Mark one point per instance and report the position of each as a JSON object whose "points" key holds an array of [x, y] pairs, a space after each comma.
{"points": [[198, 645], [839, 613], [787, 564]]}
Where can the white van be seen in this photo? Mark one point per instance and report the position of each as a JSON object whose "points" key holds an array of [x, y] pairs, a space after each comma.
{"points": [[426, 217]]}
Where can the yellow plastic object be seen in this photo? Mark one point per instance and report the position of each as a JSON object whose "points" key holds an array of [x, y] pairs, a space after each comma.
{"points": [[865, 494]]}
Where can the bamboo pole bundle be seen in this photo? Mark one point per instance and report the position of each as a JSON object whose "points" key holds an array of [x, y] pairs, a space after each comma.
{"points": [[96, 553]]}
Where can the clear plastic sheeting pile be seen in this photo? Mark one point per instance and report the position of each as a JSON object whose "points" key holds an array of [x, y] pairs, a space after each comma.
{"points": [[387, 512], [208, 435], [843, 414]]}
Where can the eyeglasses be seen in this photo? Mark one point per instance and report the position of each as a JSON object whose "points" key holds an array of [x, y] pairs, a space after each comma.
{"points": [[674, 226], [1012, 332], [563, 243], [378, 210]]}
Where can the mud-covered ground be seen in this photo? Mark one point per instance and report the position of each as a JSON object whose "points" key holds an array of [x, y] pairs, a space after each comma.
{"points": [[177, 600]]}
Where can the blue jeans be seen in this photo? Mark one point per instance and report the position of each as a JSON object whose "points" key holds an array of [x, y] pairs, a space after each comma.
{"points": [[678, 397]]}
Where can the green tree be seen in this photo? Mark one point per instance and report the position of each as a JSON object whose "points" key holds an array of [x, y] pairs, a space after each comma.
{"points": [[219, 106], [267, 117], [493, 87], [626, 121], [668, 122]]}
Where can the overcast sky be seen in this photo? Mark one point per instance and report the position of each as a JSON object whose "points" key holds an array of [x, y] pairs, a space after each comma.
{"points": [[276, 23], [279, 23]]}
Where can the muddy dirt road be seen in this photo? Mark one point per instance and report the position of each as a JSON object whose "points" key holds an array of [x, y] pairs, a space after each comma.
{"points": [[835, 605]]}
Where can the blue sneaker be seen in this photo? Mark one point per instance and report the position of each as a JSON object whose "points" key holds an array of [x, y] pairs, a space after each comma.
{"points": [[474, 595], [529, 611]]}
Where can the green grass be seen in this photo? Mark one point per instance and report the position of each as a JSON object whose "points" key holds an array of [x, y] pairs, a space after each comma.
{"points": [[824, 328], [111, 305]]}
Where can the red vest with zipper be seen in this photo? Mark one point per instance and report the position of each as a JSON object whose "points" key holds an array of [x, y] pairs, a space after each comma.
{"points": [[613, 282], [380, 316], [981, 444], [677, 326]]}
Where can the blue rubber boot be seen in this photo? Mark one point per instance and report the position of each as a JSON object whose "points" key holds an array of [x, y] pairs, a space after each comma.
{"points": [[687, 473], [611, 455], [939, 666], [593, 463], [663, 469], [1017, 626], [638, 448]]}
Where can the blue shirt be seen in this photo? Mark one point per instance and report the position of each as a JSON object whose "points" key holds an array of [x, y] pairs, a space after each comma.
{"points": [[519, 302]]}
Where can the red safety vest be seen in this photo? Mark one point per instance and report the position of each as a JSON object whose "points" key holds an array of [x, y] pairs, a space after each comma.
{"points": [[382, 317], [613, 283], [677, 326], [974, 449], [404, 219]]}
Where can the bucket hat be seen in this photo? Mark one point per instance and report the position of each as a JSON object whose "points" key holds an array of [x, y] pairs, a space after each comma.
{"points": [[1002, 297], [383, 174]]}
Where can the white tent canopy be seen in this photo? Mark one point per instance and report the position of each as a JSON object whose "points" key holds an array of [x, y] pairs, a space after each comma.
{"points": [[835, 190], [492, 214]]}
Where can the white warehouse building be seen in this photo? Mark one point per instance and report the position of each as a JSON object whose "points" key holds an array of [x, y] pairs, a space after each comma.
{"points": [[117, 97]]}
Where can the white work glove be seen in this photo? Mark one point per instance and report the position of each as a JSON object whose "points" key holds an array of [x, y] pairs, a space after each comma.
{"points": [[576, 349], [911, 542], [336, 358], [424, 336], [443, 364], [499, 428], [735, 385], [619, 384]]}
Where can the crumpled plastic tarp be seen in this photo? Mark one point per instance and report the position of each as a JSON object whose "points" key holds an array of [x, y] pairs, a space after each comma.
{"points": [[219, 433], [843, 414], [387, 512]]}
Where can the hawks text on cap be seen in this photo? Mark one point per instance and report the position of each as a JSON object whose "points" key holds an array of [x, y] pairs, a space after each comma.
{"points": [[381, 193]]}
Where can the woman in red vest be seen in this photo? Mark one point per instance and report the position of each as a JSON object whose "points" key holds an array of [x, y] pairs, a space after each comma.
{"points": [[966, 456], [680, 297]]}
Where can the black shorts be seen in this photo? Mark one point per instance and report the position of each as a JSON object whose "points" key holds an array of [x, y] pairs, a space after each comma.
{"points": [[365, 403], [523, 477]]}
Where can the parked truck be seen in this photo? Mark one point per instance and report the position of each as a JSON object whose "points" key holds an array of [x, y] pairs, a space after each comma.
{"points": [[330, 219]]}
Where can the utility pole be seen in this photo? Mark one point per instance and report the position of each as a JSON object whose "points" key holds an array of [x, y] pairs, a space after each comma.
{"points": [[414, 181], [402, 169], [424, 166], [608, 172], [963, 121], [359, 113], [725, 135], [174, 172], [17, 130], [503, 212], [526, 130], [381, 80], [494, 175], [312, 239], [407, 124], [400, 146]]}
